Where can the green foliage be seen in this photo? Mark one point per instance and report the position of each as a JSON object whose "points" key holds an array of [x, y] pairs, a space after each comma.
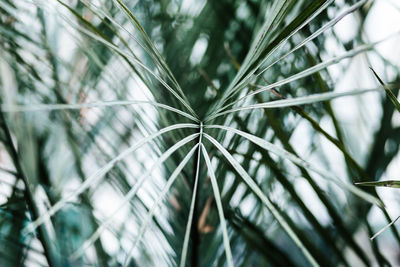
{"points": [[164, 133]]}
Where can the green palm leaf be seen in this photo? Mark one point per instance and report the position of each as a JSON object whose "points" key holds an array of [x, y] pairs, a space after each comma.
{"points": [[193, 133]]}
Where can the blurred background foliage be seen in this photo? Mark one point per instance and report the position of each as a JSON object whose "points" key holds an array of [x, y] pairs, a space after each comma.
{"points": [[83, 51]]}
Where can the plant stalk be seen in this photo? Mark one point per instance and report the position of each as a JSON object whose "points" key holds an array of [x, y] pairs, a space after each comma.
{"points": [[195, 234]]}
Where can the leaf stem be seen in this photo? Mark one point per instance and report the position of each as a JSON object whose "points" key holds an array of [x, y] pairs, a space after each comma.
{"points": [[194, 234]]}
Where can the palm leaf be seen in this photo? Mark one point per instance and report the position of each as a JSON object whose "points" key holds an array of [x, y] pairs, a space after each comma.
{"points": [[107, 102]]}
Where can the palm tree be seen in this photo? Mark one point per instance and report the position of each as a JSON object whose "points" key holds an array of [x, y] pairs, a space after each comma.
{"points": [[190, 133]]}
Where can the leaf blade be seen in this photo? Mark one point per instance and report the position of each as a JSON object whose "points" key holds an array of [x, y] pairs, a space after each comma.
{"points": [[389, 92], [384, 229], [150, 214], [218, 201], [254, 187], [387, 183], [287, 155], [96, 176]]}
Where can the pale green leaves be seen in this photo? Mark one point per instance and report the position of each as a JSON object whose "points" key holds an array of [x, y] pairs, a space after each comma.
{"points": [[260, 194], [287, 155], [95, 178], [294, 101], [217, 196], [163, 193], [49, 107]]}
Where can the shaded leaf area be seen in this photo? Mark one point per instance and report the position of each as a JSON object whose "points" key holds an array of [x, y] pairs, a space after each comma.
{"points": [[141, 133]]}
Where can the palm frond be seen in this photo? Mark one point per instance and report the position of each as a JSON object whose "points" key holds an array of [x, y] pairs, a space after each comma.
{"points": [[195, 133]]}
